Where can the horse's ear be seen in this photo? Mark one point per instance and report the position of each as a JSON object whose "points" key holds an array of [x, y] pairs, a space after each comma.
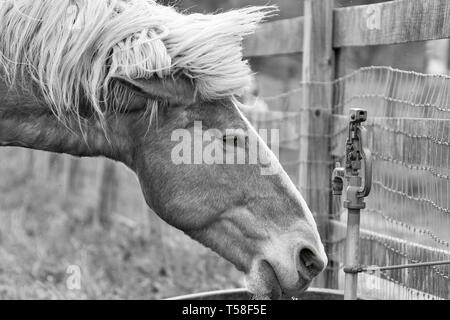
{"points": [[175, 91]]}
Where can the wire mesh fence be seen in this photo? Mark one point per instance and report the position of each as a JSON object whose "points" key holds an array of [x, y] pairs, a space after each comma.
{"points": [[407, 218]]}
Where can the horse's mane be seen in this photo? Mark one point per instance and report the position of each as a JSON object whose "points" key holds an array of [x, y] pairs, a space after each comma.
{"points": [[71, 49]]}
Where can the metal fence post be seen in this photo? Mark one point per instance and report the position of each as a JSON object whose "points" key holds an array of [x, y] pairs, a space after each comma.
{"points": [[356, 156]]}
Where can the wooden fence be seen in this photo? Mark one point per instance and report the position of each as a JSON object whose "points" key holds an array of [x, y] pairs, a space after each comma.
{"points": [[322, 36]]}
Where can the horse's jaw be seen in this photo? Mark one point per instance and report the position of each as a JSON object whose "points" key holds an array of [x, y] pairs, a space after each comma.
{"points": [[264, 252]]}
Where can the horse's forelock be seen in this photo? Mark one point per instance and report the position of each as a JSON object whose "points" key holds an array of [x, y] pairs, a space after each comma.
{"points": [[74, 48]]}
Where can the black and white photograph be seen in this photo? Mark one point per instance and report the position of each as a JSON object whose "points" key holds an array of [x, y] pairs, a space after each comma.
{"points": [[231, 158]]}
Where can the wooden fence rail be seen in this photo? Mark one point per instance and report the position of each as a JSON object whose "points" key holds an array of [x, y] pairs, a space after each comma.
{"points": [[376, 24], [277, 37]]}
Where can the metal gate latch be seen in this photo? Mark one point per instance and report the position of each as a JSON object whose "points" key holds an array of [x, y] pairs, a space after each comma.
{"points": [[356, 157]]}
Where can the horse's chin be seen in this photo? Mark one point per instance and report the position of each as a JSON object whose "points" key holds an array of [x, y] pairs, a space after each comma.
{"points": [[263, 282]]}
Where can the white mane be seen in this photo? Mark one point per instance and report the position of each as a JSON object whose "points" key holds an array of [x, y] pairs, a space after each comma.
{"points": [[73, 48]]}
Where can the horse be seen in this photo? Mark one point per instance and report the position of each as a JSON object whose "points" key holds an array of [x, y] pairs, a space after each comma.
{"points": [[116, 79]]}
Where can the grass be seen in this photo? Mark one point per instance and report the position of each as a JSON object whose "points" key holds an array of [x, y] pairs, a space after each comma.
{"points": [[44, 230]]}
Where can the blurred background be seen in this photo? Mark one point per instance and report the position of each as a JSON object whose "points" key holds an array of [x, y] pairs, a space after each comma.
{"points": [[57, 211]]}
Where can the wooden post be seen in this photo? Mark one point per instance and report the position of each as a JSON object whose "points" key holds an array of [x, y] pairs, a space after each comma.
{"points": [[74, 183], [437, 56], [318, 66], [108, 192]]}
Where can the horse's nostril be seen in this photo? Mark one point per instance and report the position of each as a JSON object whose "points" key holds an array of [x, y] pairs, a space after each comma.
{"points": [[310, 263]]}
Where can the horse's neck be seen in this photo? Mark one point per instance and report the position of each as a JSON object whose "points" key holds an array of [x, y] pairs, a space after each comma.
{"points": [[24, 122]]}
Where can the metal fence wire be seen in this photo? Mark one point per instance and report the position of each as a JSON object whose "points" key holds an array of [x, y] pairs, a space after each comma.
{"points": [[407, 219]]}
